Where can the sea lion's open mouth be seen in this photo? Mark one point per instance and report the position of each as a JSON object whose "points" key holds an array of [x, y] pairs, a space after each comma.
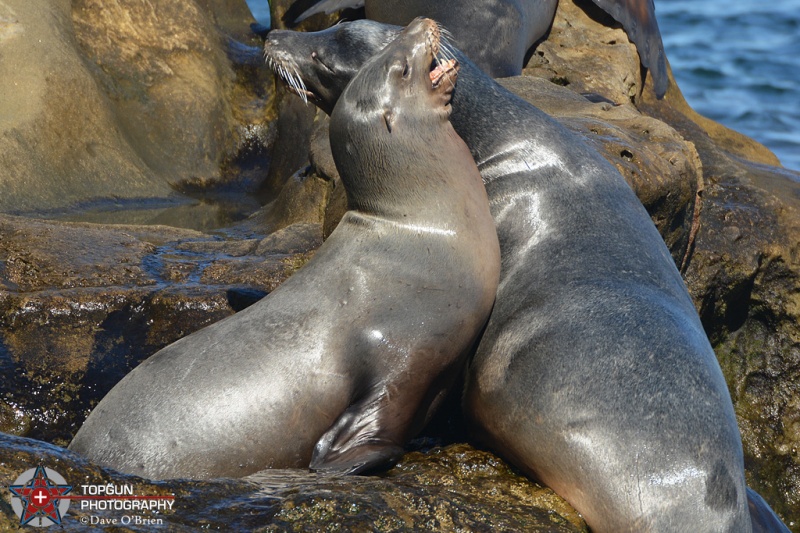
{"points": [[443, 69]]}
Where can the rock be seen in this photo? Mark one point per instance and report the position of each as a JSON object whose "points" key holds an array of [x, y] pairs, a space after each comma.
{"points": [[445, 489], [588, 52], [290, 151], [52, 154], [124, 101], [301, 200], [297, 238], [82, 304], [744, 276]]}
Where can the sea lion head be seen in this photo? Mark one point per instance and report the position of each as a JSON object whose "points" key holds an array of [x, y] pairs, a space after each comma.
{"points": [[318, 65], [411, 79], [395, 112]]}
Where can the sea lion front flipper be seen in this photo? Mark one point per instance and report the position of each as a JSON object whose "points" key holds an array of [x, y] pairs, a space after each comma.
{"points": [[328, 7], [638, 18], [357, 441]]}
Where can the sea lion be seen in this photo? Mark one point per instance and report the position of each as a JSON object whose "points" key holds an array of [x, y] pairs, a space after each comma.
{"points": [[594, 374], [349, 357], [511, 25], [497, 35]]}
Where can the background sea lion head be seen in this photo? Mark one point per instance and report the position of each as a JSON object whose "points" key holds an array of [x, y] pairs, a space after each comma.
{"points": [[318, 65]]}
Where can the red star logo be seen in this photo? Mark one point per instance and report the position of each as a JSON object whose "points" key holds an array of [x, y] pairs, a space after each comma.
{"points": [[40, 497]]}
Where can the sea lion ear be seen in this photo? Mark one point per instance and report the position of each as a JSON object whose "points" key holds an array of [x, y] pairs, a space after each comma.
{"points": [[388, 118]]}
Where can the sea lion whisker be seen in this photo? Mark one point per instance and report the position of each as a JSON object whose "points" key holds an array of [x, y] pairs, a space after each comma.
{"points": [[294, 81], [301, 85], [446, 55], [446, 38], [448, 49]]}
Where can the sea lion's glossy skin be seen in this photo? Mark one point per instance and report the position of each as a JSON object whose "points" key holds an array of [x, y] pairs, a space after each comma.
{"points": [[594, 373], [348, 358]]}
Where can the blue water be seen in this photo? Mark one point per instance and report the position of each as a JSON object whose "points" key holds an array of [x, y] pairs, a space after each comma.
{"points": [[260, 10], [737, 62]]}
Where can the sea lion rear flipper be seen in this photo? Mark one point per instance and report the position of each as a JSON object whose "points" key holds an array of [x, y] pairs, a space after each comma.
{"points": [[329, 6], [638, 18], [357, 442]]}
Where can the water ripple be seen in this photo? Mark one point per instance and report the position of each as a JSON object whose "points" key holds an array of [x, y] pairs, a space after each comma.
{"points": [[739, 63]]}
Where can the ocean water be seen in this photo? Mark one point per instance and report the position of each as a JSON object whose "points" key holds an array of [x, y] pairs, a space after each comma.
{"points": [[735, 62], [260, 10], [739, 64]]}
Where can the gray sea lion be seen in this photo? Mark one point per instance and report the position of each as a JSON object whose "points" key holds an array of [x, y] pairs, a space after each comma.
{"points": [[594, 374], [348, 357], [497, 34]]}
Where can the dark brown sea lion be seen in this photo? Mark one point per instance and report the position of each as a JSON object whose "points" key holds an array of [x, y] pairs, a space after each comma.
{"points": [[349, 357]]}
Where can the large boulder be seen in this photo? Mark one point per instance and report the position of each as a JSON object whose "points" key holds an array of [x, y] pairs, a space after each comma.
{"points": [[123, 101]]}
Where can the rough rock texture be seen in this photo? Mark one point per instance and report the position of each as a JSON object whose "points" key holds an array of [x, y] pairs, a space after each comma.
{"points": [[452, 489], [82, 304], [588, 52]]}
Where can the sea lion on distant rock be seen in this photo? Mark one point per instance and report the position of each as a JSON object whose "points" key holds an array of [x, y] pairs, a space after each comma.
{"points": [[355, 350], [594, 374], [497, 34]]}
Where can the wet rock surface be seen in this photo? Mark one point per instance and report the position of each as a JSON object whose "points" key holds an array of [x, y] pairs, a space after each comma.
{"points": [[81, 304]]}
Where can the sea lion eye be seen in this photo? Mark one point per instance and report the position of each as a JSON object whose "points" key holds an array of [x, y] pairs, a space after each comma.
{"points": [[405, 70]]}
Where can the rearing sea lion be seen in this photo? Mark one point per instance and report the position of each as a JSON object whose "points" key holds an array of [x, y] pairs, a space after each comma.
{"points": [[594, 374], [349, 357]]}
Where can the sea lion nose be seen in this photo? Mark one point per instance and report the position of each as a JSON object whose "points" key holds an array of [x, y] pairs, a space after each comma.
{"points": [[419, 25]]}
